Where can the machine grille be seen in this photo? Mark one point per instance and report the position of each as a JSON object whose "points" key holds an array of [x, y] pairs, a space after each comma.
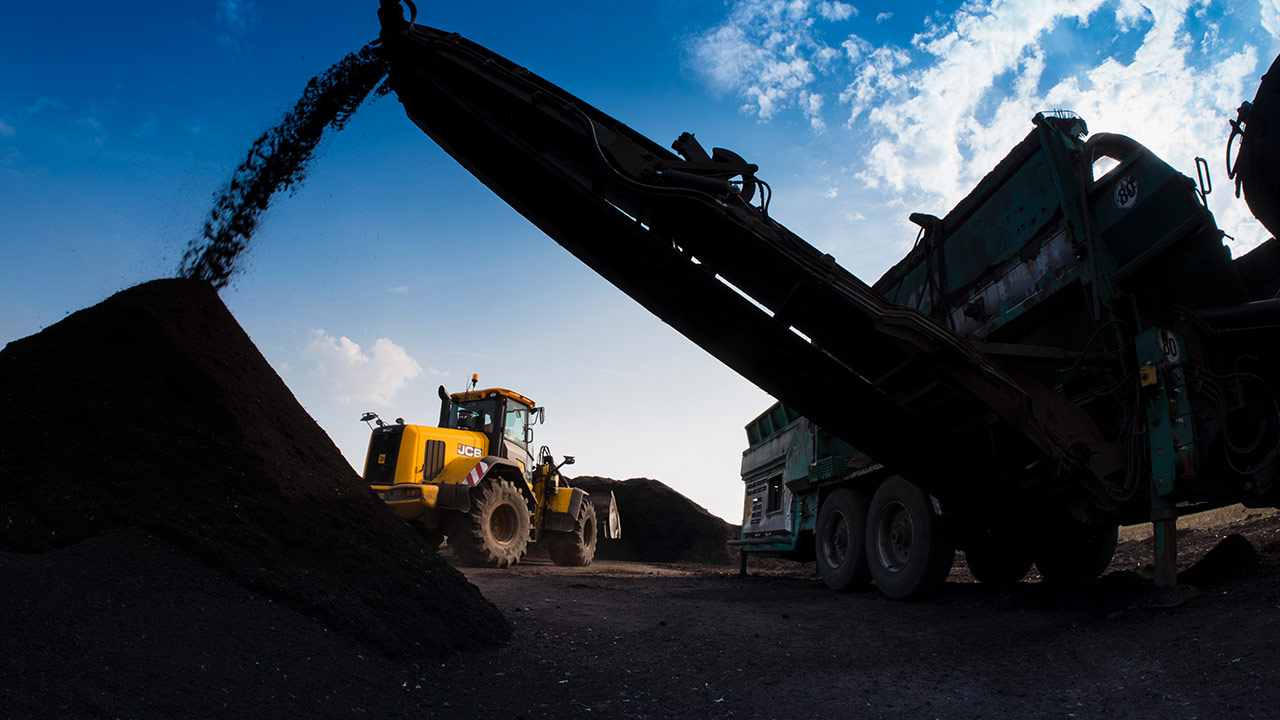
{"points": [[433, 459]]}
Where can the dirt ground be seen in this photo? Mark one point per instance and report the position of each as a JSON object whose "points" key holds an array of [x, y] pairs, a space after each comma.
{"points": [[688, 641], [123, 626]]}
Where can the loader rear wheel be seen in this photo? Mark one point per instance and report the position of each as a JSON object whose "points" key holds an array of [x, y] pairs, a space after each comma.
{"points": [[495, 532], [838, 541], [577, 548], [997, 560], [1077, 557], [910, 548]]}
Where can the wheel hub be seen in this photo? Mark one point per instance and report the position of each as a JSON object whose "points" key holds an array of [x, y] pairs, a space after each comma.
{"points": [[836, 542], [503, 524], [894, 534]]}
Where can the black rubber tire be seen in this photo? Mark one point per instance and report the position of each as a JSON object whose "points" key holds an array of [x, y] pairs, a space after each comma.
{"points": [[577, 548], [495, 532], [1076, 557], [838, 541], [997, 560], [910, 548]]}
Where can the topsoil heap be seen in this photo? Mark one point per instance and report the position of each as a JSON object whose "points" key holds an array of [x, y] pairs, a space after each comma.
{"points": [[153, 411]]}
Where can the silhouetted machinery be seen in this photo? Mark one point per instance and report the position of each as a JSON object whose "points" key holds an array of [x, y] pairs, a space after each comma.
{"points": [[1071, 348]]}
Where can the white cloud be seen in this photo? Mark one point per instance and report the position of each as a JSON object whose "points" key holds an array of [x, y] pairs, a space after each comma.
{"points": [[831, 193], [811, 105], [399, 290], [945, 114], [235, 17], [97, 130], [883, 17], [876, 78], [836, 11], [6, 130], [146, 128], [928, 116], [356, 376], [42, 103], [770, 54], [1270, 16]]}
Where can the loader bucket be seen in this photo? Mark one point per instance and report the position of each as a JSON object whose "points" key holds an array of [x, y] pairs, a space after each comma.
{"points": [[608, 522]]}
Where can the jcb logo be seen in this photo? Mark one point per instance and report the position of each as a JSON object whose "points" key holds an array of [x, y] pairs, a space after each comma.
{"points": [[469, 451]]}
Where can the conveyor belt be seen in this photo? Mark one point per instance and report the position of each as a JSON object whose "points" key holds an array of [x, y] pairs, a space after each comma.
{"points": [[788, 318]]}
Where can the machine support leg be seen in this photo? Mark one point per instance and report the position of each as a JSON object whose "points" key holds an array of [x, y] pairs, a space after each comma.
{"points": [[742, 562], [1165, 539]]}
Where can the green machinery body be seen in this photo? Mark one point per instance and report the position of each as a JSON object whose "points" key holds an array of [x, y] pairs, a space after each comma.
{"points": [[1071, 347], [1095, 270]]}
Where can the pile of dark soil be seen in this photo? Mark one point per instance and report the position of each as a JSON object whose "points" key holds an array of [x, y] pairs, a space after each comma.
{"points": [[661, 525], [150, 424]]}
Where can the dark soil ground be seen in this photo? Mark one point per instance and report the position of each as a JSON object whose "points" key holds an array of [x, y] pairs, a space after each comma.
{"points": [[178, 539], [123, 626], [694, 641]]}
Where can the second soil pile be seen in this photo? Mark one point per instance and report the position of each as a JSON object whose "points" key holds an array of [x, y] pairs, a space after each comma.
{"points": [[148, 434], [660, 525]]}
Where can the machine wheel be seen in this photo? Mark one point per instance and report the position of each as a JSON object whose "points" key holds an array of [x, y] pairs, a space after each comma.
{"points": [[998, 561], [838, 541], [909, 547], [577, 548], [495, 532], [1075, 558]]}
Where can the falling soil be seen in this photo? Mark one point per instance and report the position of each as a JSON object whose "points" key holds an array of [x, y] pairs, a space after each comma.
{"points": [[661, 525], [157, 479], [277, 162]]}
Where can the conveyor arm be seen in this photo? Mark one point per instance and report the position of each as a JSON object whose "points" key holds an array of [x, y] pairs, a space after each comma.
{"points": [[680, 240]]}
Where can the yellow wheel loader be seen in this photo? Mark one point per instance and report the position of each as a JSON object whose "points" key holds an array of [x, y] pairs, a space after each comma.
{"points": [[474, 481]]}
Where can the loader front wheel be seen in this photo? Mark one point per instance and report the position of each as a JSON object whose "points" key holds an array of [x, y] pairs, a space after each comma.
{"points": [[1076, 557], [838, 541], [910, 547], [577, 548], [997, 560], [495, 532]]}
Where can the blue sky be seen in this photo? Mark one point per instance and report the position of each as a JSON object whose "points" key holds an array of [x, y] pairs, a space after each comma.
{"points": [[119, 122]]}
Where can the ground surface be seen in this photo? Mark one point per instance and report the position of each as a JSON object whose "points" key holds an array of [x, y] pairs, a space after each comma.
{"points": [[674, 641], [124, 625]]}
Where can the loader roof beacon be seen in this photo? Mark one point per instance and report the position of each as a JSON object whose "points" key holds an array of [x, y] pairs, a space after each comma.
{"points": [[1062, 352], [475, 480]]}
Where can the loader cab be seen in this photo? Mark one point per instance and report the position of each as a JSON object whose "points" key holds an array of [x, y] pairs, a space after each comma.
{"points": [[505, 417]]}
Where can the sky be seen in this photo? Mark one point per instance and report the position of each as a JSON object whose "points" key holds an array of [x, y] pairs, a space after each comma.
{"points": [[120, 122]]}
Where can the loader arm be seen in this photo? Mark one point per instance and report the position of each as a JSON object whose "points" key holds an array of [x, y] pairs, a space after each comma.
{"points": [[686, 244]]}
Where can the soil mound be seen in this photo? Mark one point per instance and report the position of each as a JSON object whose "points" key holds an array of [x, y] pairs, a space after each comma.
{"points": [[153, 411], [661, 525]]}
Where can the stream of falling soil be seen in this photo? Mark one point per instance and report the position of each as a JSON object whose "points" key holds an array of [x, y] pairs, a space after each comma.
{"points": [[277, 162]]}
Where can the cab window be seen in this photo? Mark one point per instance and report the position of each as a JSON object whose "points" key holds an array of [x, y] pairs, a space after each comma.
{"points": [[478, 416], [517, 420]]}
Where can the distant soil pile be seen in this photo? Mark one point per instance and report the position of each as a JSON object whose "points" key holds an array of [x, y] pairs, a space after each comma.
{"points": [[661, 525], [151, 419]]}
